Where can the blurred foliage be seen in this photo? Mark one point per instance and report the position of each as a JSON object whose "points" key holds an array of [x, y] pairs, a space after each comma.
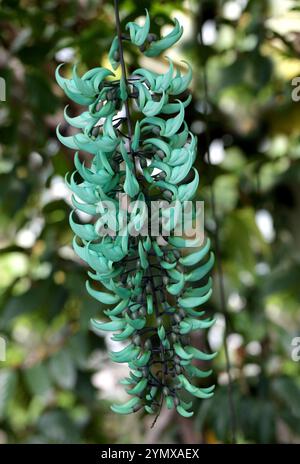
{"points": [[50, 385]]}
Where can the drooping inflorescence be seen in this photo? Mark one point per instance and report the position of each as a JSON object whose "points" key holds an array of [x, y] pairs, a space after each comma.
{"points": [[149, 285]]}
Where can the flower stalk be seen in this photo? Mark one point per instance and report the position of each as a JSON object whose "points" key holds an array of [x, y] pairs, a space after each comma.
{"points": [[149, 287]]}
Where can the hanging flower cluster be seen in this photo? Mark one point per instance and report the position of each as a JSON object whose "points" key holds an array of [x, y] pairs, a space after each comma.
{"points": [[149, 286]]}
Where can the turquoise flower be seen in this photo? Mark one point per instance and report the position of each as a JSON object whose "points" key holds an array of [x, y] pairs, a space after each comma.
{"points": [[149, 291]]}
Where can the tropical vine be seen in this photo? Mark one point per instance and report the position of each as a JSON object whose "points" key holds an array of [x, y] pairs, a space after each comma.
{"points": [[149, 287]]}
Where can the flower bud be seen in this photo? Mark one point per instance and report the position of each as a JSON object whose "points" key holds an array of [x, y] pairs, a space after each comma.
{"points": [[137, 340], [116, 56], [166, 391], [148, 344]]}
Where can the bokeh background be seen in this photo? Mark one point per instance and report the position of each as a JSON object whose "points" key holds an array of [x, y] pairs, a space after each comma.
{"points": [[57, 383]]}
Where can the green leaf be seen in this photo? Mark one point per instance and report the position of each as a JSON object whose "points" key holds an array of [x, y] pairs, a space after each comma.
{"points": [[8, 379], [62, 369], [38, 379]]}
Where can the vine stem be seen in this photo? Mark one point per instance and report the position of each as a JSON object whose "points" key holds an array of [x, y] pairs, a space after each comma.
{"points": [[124, 73], [220, 272], [162, 351], [130, 134]]}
